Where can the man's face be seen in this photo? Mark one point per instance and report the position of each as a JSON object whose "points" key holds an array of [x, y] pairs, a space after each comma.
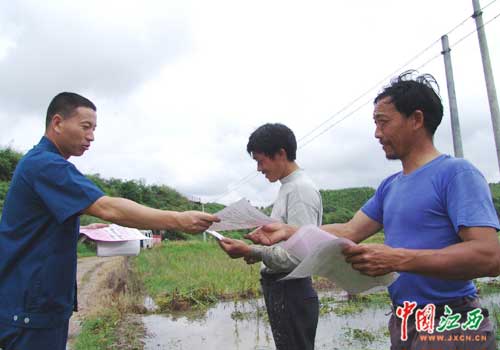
{"points": [[271, 167], [76, 132], [393, 129]]}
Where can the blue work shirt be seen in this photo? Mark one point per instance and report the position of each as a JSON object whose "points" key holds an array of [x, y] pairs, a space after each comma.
{"points": [[38, 236], [425, 210]]}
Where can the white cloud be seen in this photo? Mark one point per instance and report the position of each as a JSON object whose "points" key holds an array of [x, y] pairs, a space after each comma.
{"points": [[180, 85]]}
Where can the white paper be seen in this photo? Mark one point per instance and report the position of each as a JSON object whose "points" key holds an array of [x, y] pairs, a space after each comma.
{"points": [[305, 241], [216, 234], [321, 254], [240, 215]]}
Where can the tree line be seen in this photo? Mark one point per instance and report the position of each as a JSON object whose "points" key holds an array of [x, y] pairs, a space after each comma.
{"points": [[338, 205]]}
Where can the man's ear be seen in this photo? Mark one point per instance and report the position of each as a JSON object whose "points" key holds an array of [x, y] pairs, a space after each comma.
{"points": [[55, 123], [282, 153], [418, 119]]}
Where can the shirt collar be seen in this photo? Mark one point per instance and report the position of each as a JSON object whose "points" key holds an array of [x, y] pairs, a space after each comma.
{"points": [[47, 145], [290, 177]]}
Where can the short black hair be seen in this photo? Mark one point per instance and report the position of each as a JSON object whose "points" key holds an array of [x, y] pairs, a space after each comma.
{"points": [[65, 104], [270, 138], [410, 92]]}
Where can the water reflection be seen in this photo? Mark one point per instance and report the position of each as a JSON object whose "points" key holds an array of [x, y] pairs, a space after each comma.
{"points": [[229, 325], [244, 326]]}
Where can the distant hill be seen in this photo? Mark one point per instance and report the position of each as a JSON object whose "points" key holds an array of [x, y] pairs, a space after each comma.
{"points": [[338, 205], [341, 205]]}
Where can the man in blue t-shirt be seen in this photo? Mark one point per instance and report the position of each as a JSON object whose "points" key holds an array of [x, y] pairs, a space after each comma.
{"points": [[439, 222], [40, 227]]}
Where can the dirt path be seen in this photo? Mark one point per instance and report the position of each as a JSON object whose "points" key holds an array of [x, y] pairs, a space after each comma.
{"points": [[92, 272]]}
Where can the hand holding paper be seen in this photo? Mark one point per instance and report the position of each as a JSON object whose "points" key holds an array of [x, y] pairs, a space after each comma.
{"points": [[235, 248], [374, 259], [321, 254], [195, 221], [271, 233]]}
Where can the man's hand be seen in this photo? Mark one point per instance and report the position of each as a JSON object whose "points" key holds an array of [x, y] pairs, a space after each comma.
{"points": [[251, 259], [94, 226], [235, 248], [195, 221], [375, 259], [271, 233]]}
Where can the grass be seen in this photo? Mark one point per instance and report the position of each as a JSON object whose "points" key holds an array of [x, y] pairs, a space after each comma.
{"points": [[486, 288], [83, 250], [376, 238], [179, 274], [108, 324], [355, 304], [496, 318], [98, 332]]}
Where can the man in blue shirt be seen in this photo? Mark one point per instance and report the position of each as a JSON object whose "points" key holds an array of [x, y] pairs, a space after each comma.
{"points": [[40, 227], [439, 222]]}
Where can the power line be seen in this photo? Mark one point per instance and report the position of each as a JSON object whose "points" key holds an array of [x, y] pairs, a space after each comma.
{"points": [[491, 2], [252, 175], [475, 30]]}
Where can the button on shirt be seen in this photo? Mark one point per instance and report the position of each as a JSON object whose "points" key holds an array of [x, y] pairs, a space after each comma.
{"points": [[38, 237]]}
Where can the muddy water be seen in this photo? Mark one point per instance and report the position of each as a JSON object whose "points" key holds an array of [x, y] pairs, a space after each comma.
{"points": [[244, 326]]}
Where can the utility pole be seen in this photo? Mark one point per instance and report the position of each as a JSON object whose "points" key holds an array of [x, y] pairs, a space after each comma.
{"points": [[452, 98], [197, 200], [488, 75], [203, 210]]}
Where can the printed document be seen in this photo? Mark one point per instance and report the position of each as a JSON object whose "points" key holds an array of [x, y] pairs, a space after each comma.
{"points": [[240, 215], [321, 254]]}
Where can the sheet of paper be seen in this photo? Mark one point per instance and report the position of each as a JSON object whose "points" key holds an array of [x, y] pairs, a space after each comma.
{"points": [[321, 255], [240, 215], [305, 241], [113, 233], [216, 234]]}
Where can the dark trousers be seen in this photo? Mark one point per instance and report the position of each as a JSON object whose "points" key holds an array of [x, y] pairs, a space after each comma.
{"points": [[457, 339], [18, 338], [293, 310]]}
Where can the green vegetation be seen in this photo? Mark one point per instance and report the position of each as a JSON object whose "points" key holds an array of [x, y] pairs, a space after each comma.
{"points": [[341, 205], [360, 335], [109, 323], [496, 318], [84, 249], [180, 275], [355, 304], [486, 288], [98, 332], [8, 162]]}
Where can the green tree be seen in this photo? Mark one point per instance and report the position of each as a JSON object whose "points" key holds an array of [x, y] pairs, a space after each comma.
{"points": [[8, 162], [340, 205]]}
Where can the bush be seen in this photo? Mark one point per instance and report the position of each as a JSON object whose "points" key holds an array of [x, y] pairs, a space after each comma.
{"points": [[8, 162]]}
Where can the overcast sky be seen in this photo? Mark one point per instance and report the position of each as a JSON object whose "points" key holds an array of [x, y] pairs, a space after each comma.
{"points": [[180, 85]]}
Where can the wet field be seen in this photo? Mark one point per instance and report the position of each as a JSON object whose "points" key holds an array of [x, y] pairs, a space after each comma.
{"points": [[244, 326]]}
